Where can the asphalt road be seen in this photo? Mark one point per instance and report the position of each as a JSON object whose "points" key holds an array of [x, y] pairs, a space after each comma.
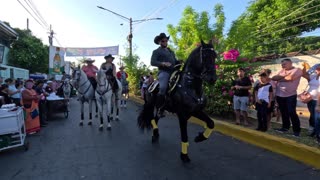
{"points": [[64, 150]]}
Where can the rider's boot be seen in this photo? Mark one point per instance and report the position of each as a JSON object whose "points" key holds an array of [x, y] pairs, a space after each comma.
{"points": [[160, 102]]}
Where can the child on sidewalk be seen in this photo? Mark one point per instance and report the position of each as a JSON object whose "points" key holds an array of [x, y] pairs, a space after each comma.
{"points": [[263, 94]]}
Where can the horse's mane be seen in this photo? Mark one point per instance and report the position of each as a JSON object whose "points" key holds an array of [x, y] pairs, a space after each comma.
{"points": [[190, 57], [193, 53]]}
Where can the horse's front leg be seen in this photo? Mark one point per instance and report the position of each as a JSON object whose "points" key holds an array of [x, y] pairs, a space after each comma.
{"points": [[96, 104], [117, 101], [82, 115], [90, 112], [109, 101], [155, 129], [183, 122], [99, 103], [208, 126]]}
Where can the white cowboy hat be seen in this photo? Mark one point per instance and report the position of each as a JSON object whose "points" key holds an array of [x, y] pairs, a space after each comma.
{"points": [[89, 60]]}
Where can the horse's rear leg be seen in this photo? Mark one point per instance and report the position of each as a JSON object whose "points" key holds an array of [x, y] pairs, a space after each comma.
{"points": [[101, 121], [96, 108], [183, 122], [82, 116], [109, 122], [90, 112], [208, 126]]}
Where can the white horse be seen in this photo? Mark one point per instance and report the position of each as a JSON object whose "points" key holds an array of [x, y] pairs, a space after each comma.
{"points": [[103, 97], [66, 89], [85, 92]]}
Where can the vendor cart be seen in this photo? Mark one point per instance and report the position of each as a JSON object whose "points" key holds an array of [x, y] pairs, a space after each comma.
{"points": [[12, 129], [57, 106]]}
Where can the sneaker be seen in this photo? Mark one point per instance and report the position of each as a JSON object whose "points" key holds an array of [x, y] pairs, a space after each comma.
{"points": [[296, 134], [281, 130]]}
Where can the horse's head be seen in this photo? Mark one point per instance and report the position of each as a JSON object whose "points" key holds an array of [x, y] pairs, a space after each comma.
{"points": [[201, 62], [76, 73], [101, 76]]}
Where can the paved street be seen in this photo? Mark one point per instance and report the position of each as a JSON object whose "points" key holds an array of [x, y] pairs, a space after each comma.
{"points": [[63, 150]]}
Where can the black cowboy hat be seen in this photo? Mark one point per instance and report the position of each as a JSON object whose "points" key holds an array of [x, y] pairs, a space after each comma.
{"points": [[109, 56], [159, 37]]}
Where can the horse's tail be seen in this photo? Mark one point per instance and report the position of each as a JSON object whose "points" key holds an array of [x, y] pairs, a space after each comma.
{"points": [[146, 115]]}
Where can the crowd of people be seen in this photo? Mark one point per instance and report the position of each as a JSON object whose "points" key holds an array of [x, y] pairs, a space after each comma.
{"points": [[277, 95], [31, 95]]}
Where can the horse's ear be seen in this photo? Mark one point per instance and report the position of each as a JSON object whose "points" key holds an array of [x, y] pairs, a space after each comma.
{"points": [[202, 43], [211, 42]]}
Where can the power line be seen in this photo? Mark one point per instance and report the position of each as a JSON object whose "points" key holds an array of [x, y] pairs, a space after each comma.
{"points": [[293, 12], [34, 7], [32, 15], [284, 22], [275, 23], [36, 14]]}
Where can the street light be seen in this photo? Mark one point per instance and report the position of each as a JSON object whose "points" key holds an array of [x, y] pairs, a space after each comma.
{"points": [[130, 36]]}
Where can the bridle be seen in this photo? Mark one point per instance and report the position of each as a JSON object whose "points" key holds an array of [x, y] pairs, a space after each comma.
{"points": [[78, 88], [100, 85], [204, 70]]}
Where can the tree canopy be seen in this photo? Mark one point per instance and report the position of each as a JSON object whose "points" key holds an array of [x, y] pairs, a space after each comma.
{"points": [[29, 52], [274, 26]]}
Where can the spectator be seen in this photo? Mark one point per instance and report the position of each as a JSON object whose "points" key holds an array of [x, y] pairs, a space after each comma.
{"points": [[263, 99], [313, 83], [241, 88], [145, 87], [5, 95], [122, 77], [151, 78], [30, 100], [42, 102], [48, 88], [286, 95], [14, 92], [317, 119]]}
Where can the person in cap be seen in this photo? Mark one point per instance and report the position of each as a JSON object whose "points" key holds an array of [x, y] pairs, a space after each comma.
{"points": [[90, 70], [122, 76], [163, 58], [110, 71]]}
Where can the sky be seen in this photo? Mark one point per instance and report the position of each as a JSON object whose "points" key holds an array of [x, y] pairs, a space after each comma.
{"points": [[79, 23]]}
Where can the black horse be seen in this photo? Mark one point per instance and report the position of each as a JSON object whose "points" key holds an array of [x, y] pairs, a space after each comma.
{"points": [[185, 97]]}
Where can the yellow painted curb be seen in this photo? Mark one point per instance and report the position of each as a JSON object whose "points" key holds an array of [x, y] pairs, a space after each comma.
{"points": [[300, 152]]}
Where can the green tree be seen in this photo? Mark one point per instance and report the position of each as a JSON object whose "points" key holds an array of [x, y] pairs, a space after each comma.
{"points": [[193, 27], [274, 26], [29, 52]]}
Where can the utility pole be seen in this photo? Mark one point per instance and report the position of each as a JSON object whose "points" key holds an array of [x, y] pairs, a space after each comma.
{"points": [[130, 36], [50, 35]]}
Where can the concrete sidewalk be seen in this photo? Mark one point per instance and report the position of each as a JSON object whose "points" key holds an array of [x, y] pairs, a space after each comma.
{"points": [[290, 148]]}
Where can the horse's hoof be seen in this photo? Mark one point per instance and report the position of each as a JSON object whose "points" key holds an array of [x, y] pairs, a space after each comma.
{"points": [[111, 118], [96, 115], [155, 136], [81, 124], [117, 119], [185, 158], [200, 138], [101, 128], [109, 128], [155, 139], [89, 123]]}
